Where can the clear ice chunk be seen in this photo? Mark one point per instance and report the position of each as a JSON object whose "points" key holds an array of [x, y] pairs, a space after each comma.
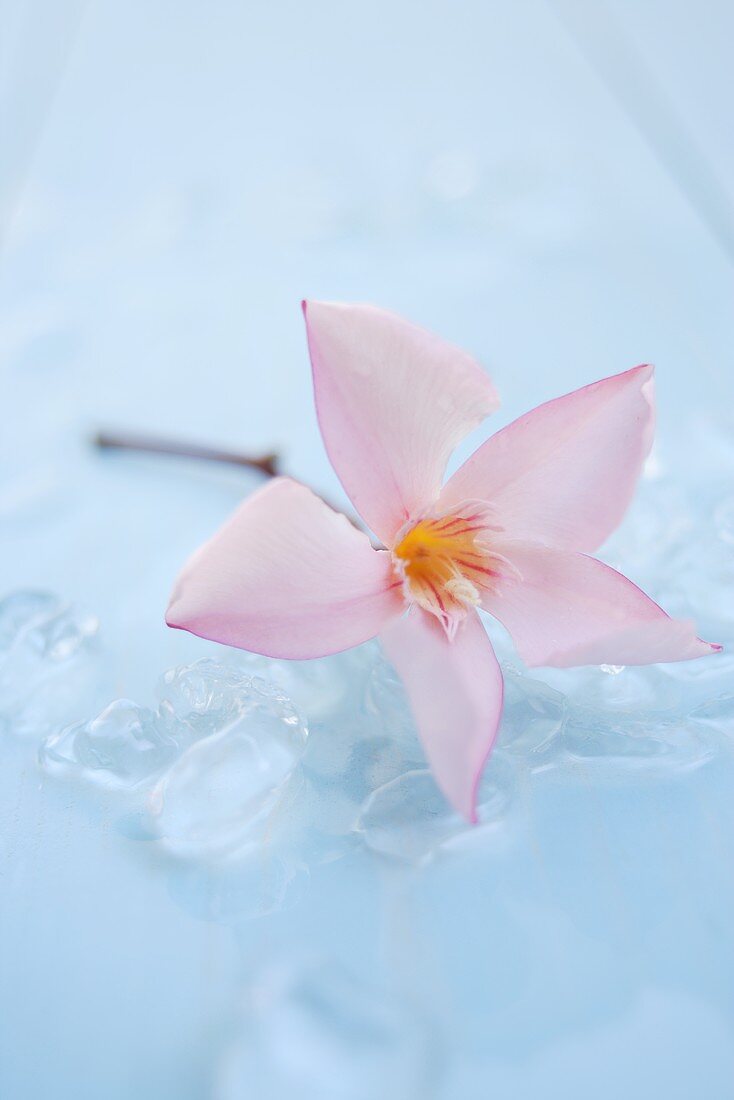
{"points": [[372, 741], [221, 744], [533, 716], [328, 756], [206, 694], [240, 769], [316, 822], [217, 798], [409, 818], [319, 1034], [699, 682], [386, 705], [122, 747], [716, 713], [637, 742], [631, 689], [20, 611], [321, 689], [42, 623], [46, 674]]}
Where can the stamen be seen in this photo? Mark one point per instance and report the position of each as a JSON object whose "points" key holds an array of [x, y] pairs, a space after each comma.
{"points": [[445, 562]]}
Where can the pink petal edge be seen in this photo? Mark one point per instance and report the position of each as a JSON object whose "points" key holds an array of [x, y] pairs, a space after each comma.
{"points": [[392, 402], [456, 694], [565, 472], [569, 609], [286, 576]]}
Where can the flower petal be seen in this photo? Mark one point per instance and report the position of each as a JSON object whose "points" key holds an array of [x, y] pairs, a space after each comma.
{"points": [[392, 401], [569, 609], [565, 472], [455, 691], [286, 576]]}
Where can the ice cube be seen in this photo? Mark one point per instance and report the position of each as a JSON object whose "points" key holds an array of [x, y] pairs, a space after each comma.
{"points": [[533, 716], [321, 689], [716, 713], [409, 819], [20, 610], [122, 747], [47, 664], [635, 742], [205, 694], [386, 703], [218, 797]]}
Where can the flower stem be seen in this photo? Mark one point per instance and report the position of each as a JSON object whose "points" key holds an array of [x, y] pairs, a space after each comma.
{"points": [[267, 464], [133, 441]]}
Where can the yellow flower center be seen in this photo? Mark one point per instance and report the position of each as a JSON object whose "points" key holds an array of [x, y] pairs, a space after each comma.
{"points": [[446, 562]]}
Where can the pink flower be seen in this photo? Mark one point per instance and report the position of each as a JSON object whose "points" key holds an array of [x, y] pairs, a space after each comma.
{"points": [[509, 532]]}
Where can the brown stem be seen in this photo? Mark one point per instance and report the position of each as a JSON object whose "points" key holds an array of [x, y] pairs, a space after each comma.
{"points": [[134, 441], [268, 464]]}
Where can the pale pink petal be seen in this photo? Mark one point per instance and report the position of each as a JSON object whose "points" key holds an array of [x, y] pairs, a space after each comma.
{"points": [[565, 472], [286, 576], [392, 401], [455, 691], [568, 609]]}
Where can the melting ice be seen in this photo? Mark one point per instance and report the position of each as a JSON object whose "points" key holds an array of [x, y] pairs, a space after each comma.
{"points": [[316, 759]]}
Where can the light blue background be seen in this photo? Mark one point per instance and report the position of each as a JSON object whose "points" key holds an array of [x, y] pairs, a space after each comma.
{"points": [[547, 184]]}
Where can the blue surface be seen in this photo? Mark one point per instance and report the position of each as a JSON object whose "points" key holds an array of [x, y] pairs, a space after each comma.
{"points": [[173, 181]]}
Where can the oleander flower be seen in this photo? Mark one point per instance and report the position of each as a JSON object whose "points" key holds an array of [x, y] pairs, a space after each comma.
{"points": [[510, 532]]}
